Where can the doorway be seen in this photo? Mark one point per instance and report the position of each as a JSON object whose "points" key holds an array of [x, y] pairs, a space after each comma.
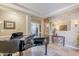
{"points": [[36, 29]]}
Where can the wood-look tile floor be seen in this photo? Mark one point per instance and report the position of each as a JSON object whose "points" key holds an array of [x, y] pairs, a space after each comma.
{"points": [[53, 50]]}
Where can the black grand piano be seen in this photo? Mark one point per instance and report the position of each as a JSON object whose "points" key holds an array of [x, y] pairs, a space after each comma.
{"points": [[23, 42]]}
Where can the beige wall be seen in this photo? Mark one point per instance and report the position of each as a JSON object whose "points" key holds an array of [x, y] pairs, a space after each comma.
{"points": [[36, 21], [12, 15]]}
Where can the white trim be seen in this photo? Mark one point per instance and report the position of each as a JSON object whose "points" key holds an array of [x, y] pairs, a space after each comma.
{"points": [[16, 7], [28, 25], [31, 12], [72, 47], [62, 10]]}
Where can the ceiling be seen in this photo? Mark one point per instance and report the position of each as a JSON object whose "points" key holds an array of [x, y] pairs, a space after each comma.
{"points": [[42, 9], [45, 8]]}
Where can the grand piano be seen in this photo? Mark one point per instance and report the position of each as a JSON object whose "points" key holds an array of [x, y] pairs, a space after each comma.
{"points": [[19, 42]]}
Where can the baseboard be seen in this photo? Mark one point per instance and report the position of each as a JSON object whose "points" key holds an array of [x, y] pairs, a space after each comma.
{"points": [[72, 47]]}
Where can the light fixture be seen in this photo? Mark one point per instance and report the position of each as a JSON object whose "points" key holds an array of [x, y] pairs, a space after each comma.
{"points": [[76, 23], [0, 22]]}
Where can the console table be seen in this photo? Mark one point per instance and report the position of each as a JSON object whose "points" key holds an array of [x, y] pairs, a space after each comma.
{"points": [[61, 38]]}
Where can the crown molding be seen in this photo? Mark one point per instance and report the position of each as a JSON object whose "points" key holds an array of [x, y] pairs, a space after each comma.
{"points": [[34, 13], [20, 8], [62, 10]]}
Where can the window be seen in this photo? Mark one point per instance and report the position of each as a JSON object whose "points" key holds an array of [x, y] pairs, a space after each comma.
{"points": [[35, 29]]}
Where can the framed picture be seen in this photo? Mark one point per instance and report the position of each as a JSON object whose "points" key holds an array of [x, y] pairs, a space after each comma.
{"points": [[9, 25], [63, 28]]}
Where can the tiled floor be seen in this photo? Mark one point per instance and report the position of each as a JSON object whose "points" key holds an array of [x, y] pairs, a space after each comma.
{"points": [[53, 50]]}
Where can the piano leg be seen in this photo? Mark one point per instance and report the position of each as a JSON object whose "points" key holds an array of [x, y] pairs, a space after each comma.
{"points": [[45, 49], [20, 53], [20, 48], [10, 54]]}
